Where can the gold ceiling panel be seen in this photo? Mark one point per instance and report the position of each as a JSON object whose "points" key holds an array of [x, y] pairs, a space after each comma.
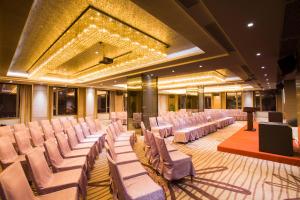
{"points": [[49, 19]]}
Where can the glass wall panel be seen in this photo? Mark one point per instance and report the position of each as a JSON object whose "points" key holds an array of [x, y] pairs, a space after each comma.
{"points": [[9, 101], [64, 101], [207, 101], [102, 101], [239, 100], [231, 100], [257, 101]]}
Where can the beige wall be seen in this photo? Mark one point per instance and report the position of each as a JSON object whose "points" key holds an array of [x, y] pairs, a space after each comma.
{"points": [[39, 102], [162, 103], [119, 103]]}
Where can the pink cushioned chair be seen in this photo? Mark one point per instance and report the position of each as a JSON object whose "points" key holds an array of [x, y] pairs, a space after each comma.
{"points": [[8, 154], [66, 151], [176, 164], [139, 187], [19, 188], [37, 137], [58, 163], [23, 142], [82, 139], [46, 181]]}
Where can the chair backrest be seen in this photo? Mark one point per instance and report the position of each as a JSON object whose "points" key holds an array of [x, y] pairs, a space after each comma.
{"points": [[48, 132], [91, 124], [36, 136], [72, 138], [56, 125], [98, 125], [72, 120], [34, 124], [81, 120], [7, 131], [112, 131], [23, 142], [111, 151], [79, 132], [116, 128], [162, 150], [85, 129], [117, 181], [153, 122], [53, 153], [41, 173], [62, 143], [153, 147], [65, 123], [14, 185], [120, 125], [8, 153]]}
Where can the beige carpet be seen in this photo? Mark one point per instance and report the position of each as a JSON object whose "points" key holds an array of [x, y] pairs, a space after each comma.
{"points": [[219, 175]]}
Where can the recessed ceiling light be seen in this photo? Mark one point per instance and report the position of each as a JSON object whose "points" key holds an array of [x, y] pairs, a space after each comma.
{"points": [[266, 74], [173, 70], [115, 81], [96, 52], [250, 24], [258, 54], [267, 79], [200, 66], [10, 81], [151, 75], [268, 83], [263, 67]]}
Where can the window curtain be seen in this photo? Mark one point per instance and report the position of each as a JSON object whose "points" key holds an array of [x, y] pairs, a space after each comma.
{"points": [[25, 103]]}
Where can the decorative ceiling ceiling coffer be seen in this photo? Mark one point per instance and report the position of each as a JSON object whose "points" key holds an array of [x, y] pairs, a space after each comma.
{"points": [[129, 48]]}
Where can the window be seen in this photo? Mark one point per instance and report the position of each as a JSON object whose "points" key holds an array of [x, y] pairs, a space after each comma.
{"points": [[9, 101], [268, 101], [102, 101], [181, 102], [233, 100], [265, 100], [64, 101], [230, 100]]}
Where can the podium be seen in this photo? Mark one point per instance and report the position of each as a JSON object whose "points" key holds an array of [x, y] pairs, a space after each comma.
{"points": [[249, 111]]}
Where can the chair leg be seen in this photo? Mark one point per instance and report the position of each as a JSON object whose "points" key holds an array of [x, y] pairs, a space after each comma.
{"points": [[192, 178]]}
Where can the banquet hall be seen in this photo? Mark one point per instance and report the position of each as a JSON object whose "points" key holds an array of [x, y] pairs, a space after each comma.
{"points": [[139, 100]]}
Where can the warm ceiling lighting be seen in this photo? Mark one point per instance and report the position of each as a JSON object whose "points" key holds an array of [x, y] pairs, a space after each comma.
{"points": [[250, 24], [200, 66], [173, 71], [258, 54], [96, 52], [94, 27], [263, 67], [267, 79], [266, 74]]}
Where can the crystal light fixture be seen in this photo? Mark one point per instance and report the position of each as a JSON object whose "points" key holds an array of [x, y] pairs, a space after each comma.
{"points": [[92, 27]]}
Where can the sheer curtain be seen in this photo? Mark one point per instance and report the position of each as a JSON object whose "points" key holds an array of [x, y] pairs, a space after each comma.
{"points": [[25, 103]]}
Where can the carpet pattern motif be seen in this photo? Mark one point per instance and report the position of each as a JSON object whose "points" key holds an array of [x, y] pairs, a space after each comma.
{"points": [[219, 175]]}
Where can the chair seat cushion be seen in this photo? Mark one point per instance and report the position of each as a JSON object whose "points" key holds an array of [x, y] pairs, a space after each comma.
{"points": [[123, 149], [142, 188], [131, 170], [126, 158]]}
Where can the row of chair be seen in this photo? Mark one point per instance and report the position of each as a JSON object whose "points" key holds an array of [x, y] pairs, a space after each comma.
{"points": [[237, 114], [165, 159], [188, 126], [129, 178], [115, 116], [70, 153]]}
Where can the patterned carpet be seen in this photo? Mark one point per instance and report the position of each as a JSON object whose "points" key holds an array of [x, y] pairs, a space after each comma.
{"points": [[219, 175]]}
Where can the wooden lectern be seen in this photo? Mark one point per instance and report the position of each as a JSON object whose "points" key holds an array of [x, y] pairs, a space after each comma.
{"points": [[249, 111]]}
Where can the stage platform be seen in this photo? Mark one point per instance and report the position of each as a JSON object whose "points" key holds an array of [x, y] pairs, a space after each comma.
{"points": [[246, 143]]}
